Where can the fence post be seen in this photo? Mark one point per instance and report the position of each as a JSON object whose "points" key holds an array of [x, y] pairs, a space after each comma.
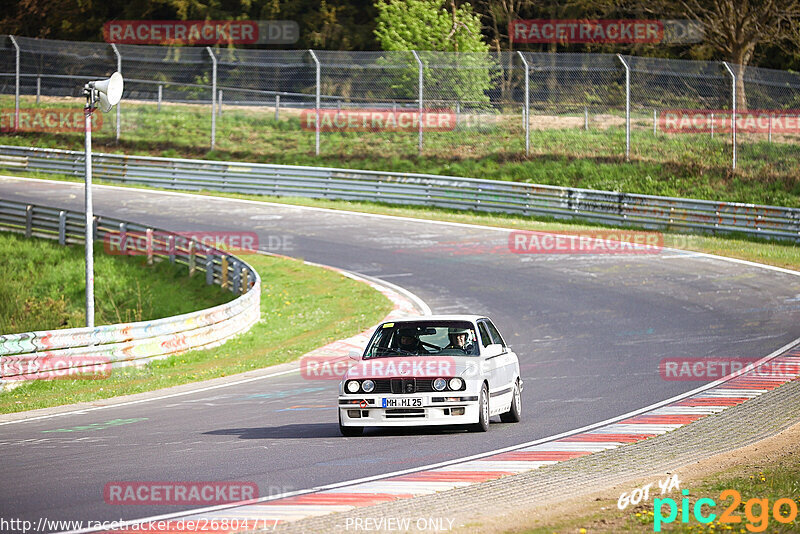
{"points": [[38, 88], [317, 101], [16, 83], [28, 221], [277, 107], [148, 245], [527, 108], [213, 96], [419, 98], [769, 139], [119, 69], [209, 267], [219, 103], [733, 107], [627, 108], [62, 227], [159, 97]]}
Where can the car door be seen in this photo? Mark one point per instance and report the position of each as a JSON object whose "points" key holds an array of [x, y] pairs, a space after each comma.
{"points": [[506, 362], [492, 360]]}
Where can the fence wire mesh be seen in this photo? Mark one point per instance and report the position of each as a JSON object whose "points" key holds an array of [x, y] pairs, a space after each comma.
{"points": [[401, 104]]}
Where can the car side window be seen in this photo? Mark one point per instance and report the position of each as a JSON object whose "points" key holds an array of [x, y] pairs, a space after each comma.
{"points": [[496, 338], [486, 340]]}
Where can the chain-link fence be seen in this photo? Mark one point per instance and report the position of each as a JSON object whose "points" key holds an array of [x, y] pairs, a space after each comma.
{"points": [[398, 104]]}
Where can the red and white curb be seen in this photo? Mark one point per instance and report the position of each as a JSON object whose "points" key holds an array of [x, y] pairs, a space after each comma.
{"points": [[651, 421]]}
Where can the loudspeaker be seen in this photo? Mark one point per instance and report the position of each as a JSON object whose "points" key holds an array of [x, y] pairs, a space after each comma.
{"points": [[109, 91]]}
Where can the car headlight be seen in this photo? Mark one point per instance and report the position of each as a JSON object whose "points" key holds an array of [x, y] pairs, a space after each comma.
{"points": [[456, 383], [439, 384], [367, 386], [353, 386]]}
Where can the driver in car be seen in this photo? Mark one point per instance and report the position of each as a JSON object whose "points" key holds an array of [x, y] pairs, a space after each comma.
{"points": [[409, 341], [459, 338]]}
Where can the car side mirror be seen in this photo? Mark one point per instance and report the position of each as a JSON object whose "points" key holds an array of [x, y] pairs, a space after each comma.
{"points": [[354, 354]]}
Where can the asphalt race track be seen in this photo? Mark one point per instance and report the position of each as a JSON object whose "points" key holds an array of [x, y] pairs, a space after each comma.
{"points": [[590, 331]]}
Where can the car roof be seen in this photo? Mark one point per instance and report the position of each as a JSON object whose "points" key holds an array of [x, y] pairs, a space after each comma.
{"points": [[429, 318]]}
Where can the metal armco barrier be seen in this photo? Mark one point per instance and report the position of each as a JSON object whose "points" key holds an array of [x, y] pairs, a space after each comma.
{"points": [[645, 211], [24, 356]]}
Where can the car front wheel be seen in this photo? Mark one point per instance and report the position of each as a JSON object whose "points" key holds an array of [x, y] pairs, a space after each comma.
{"points": [[483, 411]]}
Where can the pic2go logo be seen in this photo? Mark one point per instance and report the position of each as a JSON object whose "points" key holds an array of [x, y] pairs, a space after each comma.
{"points": [[757, 522]]}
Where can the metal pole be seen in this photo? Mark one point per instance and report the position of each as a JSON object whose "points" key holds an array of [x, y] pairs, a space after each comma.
{"points": [[38, 88], [419, 94], [159, 97], [213, 96], [16, 83], [87, 112], [527, 108], [317, 104], [219, 103], [733, 114], [627, 108], [277, 107], [119, 69], [769, 139], [712, 125]]}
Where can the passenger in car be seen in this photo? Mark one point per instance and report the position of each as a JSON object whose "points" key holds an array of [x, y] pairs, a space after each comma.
{"points": [[459, 339]]}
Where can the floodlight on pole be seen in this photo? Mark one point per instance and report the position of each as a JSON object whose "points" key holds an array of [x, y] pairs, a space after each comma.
{"points": [[107, 93]]}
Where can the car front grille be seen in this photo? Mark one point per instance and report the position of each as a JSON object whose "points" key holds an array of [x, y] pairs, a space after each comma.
{"points": [[403, 386]]}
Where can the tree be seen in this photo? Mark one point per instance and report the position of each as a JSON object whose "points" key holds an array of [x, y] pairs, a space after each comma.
{"points": [[736, 27], [427, 25]]}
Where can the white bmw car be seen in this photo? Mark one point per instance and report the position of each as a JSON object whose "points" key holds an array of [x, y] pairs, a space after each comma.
{"points": [[435, 370]]}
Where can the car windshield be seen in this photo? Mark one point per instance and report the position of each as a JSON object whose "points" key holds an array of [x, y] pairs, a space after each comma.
{"points": [[423, 338]]}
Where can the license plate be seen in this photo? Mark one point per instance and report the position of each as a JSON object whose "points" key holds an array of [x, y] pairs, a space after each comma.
{"points": [[402, 403]]}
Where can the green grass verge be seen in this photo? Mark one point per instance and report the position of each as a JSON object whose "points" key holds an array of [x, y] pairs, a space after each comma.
{"points": [[43, 287], [772, 481], [302, 308], [684, 165]]}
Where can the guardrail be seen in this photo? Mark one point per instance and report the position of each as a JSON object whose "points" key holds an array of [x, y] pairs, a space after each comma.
{"points": [[647, 211], [30, 355]]}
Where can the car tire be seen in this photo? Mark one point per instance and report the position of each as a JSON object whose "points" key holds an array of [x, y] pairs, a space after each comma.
{"points": [[483, 411], [514, 414], [350, 431]]}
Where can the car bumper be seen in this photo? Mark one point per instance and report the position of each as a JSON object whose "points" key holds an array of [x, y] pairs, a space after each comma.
{"points": [[432, 412]]}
